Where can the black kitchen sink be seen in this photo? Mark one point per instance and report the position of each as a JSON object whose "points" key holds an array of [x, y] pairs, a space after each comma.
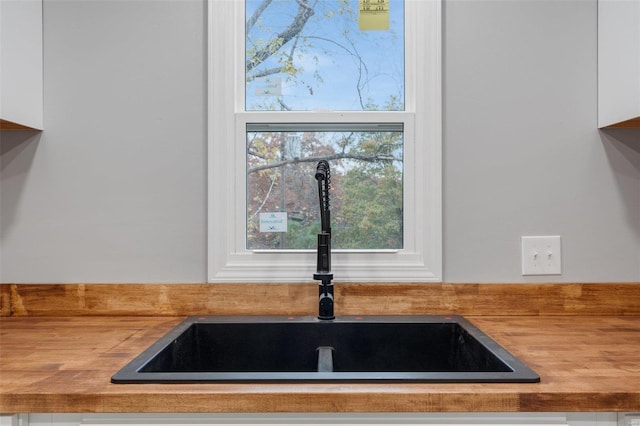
{"points": [[304, 349]]}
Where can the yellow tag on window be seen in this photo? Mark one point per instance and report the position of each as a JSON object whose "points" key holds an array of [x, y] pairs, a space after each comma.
{"points": [[374, 14]]}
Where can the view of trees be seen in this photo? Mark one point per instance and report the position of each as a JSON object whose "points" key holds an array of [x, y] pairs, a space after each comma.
{"points": [[310, 54]]}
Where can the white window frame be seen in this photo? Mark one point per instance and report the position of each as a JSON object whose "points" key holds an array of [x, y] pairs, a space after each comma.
{"points": [[421, 258]]}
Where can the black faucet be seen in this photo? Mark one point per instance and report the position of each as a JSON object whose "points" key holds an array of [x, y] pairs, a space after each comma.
{"points": [[323, 267]]}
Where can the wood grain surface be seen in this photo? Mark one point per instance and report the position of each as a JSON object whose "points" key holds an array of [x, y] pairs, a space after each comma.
{"points": [[301, 299], [10, 125], [64, 364], [632, 123]]}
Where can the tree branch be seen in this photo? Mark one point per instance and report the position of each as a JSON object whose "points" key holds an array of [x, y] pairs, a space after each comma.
{"points": [[304, 13], [361, 65], [274, 70], [339, 156], [264, 73], [256, 15], [273, 182]]}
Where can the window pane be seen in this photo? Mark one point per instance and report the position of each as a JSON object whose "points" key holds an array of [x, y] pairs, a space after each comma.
{"points": [[305, 55], [366, 185]]}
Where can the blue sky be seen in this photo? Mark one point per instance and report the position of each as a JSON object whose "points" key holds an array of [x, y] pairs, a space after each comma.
{"points": [[321, 56]]}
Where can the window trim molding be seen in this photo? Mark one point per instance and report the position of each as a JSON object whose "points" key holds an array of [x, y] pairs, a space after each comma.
{"points": [[421, 260]]}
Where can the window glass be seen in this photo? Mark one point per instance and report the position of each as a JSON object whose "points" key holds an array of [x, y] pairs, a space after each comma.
{"points": [[366, 185], [303, 55], [312, 72]]}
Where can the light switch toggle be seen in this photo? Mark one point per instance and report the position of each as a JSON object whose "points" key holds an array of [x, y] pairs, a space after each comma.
{"points": [[533, 263]]}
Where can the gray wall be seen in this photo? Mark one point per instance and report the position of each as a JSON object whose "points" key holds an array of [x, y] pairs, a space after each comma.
{"points": [[114, 189], [522, 155]]}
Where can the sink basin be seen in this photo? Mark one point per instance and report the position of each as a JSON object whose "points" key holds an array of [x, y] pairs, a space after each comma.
{"points": [[348, 349]]}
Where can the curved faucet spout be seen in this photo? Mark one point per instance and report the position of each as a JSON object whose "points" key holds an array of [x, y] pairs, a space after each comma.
{"points": [[323, 266], [323, 176]]}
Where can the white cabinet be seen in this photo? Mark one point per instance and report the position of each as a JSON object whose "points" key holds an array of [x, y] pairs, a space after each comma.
{"points": [[326, 419], [619, 63], [8, 420], [14, 419], [21, 67]]}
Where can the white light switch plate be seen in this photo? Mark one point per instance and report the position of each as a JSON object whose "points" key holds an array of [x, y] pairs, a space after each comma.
{"points": [[541, 255]]}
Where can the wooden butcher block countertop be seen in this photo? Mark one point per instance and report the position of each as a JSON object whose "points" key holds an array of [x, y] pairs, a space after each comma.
{"points": [[63, 363]]}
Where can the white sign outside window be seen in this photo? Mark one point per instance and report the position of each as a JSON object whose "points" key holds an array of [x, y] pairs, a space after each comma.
{"points": [[273, 222]]}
